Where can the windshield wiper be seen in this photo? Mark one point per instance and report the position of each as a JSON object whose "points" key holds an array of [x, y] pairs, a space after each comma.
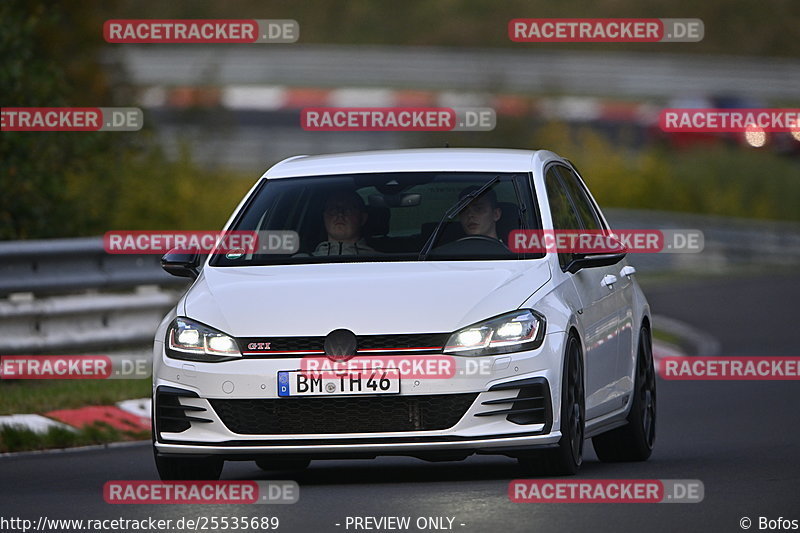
{"points": [[453, 212]]}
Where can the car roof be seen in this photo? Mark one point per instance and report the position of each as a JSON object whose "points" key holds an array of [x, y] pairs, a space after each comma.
{"points": [[413, 160]]}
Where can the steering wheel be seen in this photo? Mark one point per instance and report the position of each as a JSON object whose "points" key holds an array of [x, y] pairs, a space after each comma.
{"points": [[484, 238]]}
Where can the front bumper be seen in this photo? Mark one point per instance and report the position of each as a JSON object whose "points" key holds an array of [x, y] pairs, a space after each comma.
{"points": [[503, 417]]}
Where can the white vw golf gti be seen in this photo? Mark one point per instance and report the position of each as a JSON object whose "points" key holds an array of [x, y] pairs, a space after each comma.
{"points": [[388, 311]]}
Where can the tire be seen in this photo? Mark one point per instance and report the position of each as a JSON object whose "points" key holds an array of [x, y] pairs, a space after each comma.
{"points": [[283, 464], [180, 469], [567, 457], [635, 440]]}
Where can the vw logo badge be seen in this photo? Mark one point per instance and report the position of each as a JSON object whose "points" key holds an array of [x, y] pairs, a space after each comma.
{"points": [[340, 345]]}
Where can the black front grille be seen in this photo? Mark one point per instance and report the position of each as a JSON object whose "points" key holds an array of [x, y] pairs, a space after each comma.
{"points": [[421, 340], [365, 342], [368, 414]]}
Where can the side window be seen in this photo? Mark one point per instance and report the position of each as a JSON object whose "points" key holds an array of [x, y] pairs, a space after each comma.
{"points": [[586, 211], [564, 215]]}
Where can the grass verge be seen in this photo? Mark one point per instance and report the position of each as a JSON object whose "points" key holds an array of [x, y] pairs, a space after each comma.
{"points": [[666, 336], [43, 395], [17, 438]]}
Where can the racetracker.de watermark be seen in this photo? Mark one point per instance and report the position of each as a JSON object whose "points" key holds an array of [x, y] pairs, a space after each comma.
{"points": [[605, 242], [74, 367], [71, 119], [606, 30], [201, 492], [729, 120], [434, 366], [217, 31], [398, 119], [730, 368], [234, 244], [606, 491]]}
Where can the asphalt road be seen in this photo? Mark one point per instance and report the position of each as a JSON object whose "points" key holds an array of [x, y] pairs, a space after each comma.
{"points": [[741, 439]]}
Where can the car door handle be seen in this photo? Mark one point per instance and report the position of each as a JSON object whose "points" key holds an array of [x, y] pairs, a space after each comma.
{"points": [[608, 281], [627, 270]]}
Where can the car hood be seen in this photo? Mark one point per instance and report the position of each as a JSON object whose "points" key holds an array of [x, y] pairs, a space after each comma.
{"points": [[366, 298]]}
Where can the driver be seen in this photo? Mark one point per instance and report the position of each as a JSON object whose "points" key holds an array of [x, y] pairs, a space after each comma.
{"points": [[344, 215], [481, 215]]}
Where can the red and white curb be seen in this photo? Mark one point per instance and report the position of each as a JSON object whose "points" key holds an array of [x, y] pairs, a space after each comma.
{"points": [[35, 423], [129, 415]]}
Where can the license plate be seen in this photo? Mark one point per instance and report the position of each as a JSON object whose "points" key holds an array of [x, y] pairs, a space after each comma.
{"points": [[300, 383]]}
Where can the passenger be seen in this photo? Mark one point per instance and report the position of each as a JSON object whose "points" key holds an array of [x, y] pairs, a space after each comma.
{"points": [[481, 215], [344, 215]]}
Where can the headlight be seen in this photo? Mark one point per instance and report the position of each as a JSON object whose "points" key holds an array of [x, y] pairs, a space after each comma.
{"points": [[192, 341], [512, 332]]}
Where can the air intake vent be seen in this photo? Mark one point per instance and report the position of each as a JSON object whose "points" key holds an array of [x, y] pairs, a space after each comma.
{"points": [[171, 415], [531, 404]]}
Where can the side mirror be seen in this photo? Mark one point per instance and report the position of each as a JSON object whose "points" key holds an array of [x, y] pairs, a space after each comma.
{"points": [[615, 253], [181, 263], [594, 260]]}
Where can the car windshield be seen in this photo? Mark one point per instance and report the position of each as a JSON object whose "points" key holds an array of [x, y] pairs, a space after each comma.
{"points": [[408, 216]]}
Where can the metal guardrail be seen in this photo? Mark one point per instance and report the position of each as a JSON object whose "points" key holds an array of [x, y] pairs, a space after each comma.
{"points": [[69, 295], [97, 322], [68, 265], [53, 300]]}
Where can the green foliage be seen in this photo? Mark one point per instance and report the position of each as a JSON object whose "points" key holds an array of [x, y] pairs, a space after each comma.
{"points": [[145, 191], [717, 180], [65, 184], [732, 27], [41, 69]]}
